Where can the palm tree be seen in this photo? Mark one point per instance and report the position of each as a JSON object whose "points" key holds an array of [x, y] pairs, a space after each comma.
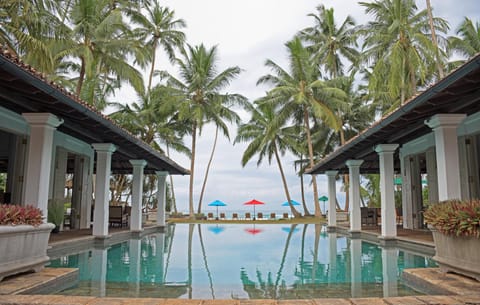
{"points": [[397, 43], [434, 40], [329, 43], [159, 28], [155, 123], [468, 44], [28, 29], [301, 89], [221, 114], [101, 41], [200, 100], [266, 139]]}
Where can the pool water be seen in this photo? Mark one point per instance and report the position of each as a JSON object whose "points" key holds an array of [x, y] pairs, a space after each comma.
{"points": [[237, 261]]}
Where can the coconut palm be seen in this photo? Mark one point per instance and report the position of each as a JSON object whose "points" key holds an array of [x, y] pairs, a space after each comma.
{"points": [[200, 100], [100, 41], [397, 43], [266, 140], [301, 89], [158, 28], [468, 44], [28, 29], [329, 42], [221, 115]]}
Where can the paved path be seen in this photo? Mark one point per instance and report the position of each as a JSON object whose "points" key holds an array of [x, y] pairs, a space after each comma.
{"points": [[57, 300]]}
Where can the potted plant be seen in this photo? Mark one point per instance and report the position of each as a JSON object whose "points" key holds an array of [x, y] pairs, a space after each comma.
{"points": [[456, 232], [56, 213], [23, 239]]}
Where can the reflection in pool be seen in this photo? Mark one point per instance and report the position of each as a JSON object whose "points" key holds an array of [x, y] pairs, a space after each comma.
{"points": [[242, 261]]}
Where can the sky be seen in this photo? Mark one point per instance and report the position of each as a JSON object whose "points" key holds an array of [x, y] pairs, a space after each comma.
{"points": [[247, 33]]}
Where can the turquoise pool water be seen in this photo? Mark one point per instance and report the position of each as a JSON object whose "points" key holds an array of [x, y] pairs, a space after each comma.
{"points": [[242, 261]]}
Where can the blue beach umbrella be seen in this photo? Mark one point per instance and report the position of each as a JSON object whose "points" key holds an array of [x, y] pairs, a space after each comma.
{"points": [[288, 229], [217, 203], [285, 204], [216, 229]]}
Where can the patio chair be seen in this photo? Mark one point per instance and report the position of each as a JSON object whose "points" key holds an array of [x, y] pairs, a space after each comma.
{"points": [[260, 215], [285, 216], [116, 216], [209, 215], [235, 216], [399, 216], [222, 215], [367, 216], [273, 216], [248, 215]]}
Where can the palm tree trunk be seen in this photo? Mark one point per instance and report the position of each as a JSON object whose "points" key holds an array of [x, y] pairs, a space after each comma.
{"points": [[285, 186], [199, 210], [189, 259], [346, 178], [209, 275], [285, 250], [306, 212], [80, 77], [434, 40], [192, 167], [318, 212], [152, 69], [318, 230], [172, 191]]}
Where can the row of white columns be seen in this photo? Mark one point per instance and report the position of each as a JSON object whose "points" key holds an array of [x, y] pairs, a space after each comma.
{"points": [[38, 171], [100, 217], [445, 129]]}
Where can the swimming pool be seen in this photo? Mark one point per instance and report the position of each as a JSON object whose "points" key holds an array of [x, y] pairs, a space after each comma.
{"points": [[231, 261]]}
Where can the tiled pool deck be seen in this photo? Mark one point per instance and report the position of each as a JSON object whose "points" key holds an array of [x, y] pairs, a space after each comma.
{"points": [[449, 288]]}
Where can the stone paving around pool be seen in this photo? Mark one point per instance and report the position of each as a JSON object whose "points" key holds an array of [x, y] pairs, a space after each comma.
{"points": [[58, 299], [463, 291]]}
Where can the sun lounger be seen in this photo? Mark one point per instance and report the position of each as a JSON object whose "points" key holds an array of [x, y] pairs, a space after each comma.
{"points": [[285, 216], [222, 215], [248, 216], [209, 215], [260, 215], [235, 216], [273, 216]]}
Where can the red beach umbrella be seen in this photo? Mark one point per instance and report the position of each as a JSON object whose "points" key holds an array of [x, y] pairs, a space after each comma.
{"points": [[254, 202], [253, 231]]}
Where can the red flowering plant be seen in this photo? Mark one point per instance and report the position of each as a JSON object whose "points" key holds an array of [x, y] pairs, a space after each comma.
{"points": [[455, 217], [11, 214]]}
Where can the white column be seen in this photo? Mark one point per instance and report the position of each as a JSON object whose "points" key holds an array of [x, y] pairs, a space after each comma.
{"points": [[387, 195], [354, 192], [159, 257], [40, 149], [99, 271], [102, 186], [446, 145], [332, 195], [432, 179], [161, 197], [356, 268], [135, 253], [137, 195], [332, 257], [389, 270]]}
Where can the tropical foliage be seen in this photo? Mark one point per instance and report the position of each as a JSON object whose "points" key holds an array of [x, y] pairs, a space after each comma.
{"points": [[12, 214], [339, 76], [455, 217]]}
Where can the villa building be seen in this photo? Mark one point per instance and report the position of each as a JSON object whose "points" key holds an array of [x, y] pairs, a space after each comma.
{"points": [[435, 135], [46, 132]]}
